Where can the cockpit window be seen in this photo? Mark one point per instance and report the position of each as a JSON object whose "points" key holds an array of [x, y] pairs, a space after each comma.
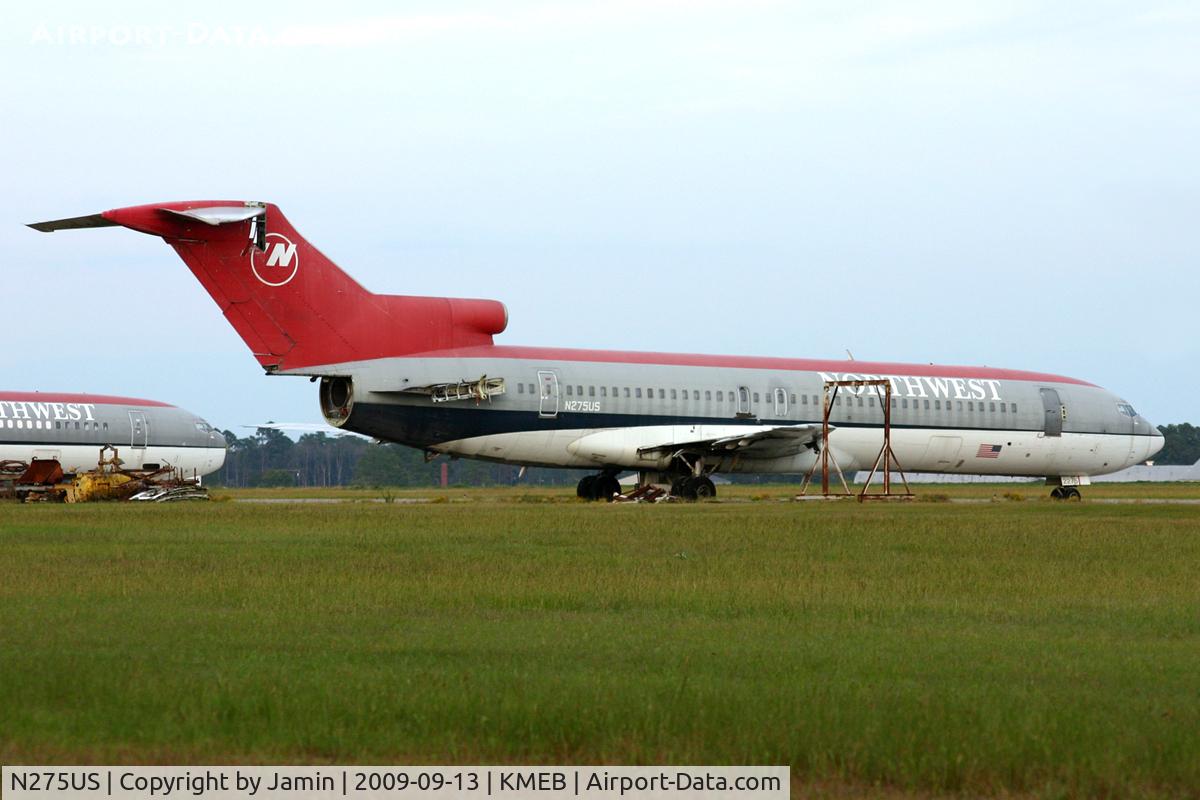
{"points": [[203, 426], [1126, 409]]}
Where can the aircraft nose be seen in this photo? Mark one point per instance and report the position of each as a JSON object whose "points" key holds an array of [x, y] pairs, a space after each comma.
{"points": [[1154, 443]]}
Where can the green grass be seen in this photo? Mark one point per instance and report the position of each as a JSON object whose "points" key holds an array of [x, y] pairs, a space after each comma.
{"points": [[1021, 647], [737, 492]]}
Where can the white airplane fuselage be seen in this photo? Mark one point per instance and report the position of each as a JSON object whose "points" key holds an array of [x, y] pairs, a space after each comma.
{"points": [[72, 428], [605, 410]]}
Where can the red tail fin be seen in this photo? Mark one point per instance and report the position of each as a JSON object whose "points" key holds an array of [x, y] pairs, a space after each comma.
{"points": [[291, 305]]}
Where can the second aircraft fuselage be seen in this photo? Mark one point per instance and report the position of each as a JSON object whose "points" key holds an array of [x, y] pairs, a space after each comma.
{"points": [[597, 409]]}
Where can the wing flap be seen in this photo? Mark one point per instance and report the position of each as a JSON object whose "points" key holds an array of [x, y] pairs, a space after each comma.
{"points": [[773, 442]]}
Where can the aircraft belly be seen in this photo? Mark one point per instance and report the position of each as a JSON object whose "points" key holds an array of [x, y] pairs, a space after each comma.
{"points": [[83, 457], [549, 448]]}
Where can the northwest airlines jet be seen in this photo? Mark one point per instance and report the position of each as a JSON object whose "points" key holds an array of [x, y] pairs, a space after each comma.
{"points": [[424, 371], [71, 428]]}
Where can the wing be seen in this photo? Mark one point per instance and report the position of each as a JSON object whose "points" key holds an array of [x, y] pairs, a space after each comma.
{"points": [[756, 442]]}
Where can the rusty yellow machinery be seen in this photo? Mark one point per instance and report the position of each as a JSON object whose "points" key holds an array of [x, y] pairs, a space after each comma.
{"points": [[44, 481]]}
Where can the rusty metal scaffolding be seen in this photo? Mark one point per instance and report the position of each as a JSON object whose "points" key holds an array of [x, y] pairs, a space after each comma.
{"points": [[886, 458]]}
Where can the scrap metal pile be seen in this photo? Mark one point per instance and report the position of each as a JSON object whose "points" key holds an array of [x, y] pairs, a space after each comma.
{"points": [[42, 480]]}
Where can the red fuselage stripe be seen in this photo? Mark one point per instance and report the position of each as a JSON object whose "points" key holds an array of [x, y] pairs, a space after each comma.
{"points": [[97, 399], [748, 362]]}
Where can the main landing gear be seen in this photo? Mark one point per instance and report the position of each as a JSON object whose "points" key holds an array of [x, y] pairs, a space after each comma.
{"points": [[598, 487], [693, 488], [1065, 493], [605, 486]]}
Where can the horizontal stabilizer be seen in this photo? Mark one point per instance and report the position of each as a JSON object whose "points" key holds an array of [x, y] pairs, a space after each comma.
{"points": [[219, 215], [90, 221]]}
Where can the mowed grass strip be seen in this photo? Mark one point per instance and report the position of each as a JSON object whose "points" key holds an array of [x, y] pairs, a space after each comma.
{"points": [[1024, 647]]}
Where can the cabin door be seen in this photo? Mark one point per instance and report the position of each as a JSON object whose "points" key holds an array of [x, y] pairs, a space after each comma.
{"points": [[547, 394], [141, 431], [1055, 412]]}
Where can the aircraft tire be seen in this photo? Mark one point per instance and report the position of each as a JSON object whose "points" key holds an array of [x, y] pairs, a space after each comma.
{"points": [[606, 487], [685, 488], [1071, 493], [703, 488], [1057, 493], [586, 490]]}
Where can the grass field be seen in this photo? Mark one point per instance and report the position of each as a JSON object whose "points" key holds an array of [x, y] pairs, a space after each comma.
{"points": [[1029, 648]]}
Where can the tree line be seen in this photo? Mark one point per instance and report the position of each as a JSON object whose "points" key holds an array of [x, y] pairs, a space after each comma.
{"points": [[271, 458]]}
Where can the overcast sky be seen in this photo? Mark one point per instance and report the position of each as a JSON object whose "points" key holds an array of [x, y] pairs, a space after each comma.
{"points": [[1010, 184]]}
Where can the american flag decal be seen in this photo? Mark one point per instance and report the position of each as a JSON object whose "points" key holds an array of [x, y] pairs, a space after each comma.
{"points": [[988, 451]]}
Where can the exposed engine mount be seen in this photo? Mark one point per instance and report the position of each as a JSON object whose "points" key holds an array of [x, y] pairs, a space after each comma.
{"points": [[337, 400]]}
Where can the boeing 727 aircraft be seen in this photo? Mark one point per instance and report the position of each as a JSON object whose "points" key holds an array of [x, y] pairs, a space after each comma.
{"points": [[424, 371], [71, 428]]}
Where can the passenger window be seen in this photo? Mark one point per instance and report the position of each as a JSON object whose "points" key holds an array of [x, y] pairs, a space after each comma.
{"points": [[673, 394], [960, 406], [970, 405], [591, 391], [650, 394], [1003, 408], [803, 400], [926, 405], [106, 426], [579, 390], [894, 403], [627, 392], [570, 390], [860, 402], [756, 397], [937, 405], [904, 403], [708, 394], [1014, 408], [662, 394], [695, 394], [638, 392], [604, 391], [793, 398], [992, 407]]}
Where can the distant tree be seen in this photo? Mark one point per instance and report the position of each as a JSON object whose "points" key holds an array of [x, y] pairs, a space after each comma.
{"points": [[394, 465], [318, 459], [1182, 444], [277, 477]]}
